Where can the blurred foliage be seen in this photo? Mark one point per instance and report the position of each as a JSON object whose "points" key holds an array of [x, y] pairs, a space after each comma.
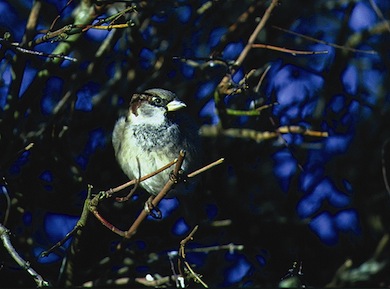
{"points": [[304, 209]]}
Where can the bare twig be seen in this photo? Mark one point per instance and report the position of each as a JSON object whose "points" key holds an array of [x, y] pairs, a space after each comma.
{"points": [[205, 168], [257, 88], [340, 271], [61, 242], [59, 15], [380, 14], [77, 228], [32, 22], [137, 181], [259, 27], [384, 164], [18, 48], [253, 112], [110, 192], [4, 236], [149, 281], [223, 86], [259, 136], [8, 200], [230, 247], [182, 254], [325, 42], [286, 50], [156, 200]]}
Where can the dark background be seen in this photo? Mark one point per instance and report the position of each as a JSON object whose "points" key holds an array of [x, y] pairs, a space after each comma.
{"points": [[292, 198]]}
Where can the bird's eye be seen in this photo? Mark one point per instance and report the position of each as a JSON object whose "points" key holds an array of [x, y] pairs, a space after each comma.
{"points": [[156, 100]]}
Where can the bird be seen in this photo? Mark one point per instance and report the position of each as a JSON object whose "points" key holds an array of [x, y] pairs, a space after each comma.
{"points": [[152, 134]]}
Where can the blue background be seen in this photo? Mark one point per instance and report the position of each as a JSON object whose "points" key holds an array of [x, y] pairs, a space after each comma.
{"points": [[317, 201]]}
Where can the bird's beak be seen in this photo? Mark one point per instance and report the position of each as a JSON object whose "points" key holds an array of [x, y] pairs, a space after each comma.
{"points": [[175, 105]]}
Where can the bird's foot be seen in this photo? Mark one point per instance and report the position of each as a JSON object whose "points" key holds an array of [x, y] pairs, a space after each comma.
{"points": [[180, 177], [151, 209]]}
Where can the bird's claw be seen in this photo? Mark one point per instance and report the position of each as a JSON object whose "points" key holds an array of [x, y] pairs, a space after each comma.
{"points": [[152, 210], [177, 178]]}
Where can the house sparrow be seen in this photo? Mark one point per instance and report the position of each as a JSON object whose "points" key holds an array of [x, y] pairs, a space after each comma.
{"points": [[151, 135]]}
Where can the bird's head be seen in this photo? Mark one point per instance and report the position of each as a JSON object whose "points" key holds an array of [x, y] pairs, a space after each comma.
{"points": [[153, 103]]}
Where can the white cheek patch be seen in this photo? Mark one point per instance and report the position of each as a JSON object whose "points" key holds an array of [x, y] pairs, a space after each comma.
{"points": [[157, 118]]}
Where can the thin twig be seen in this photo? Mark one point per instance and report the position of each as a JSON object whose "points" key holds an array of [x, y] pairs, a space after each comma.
{"points": [[17, 47], [223, 86], [325, 42], [8, 200], [253, 112], [256, 32], [59, 15], [32, 22], [384, 169], [286, 50], [61, 242], [230, 247], [156, 200], [379, 13], [107, 224], [137, 181], [4, 236], [109, 27], [257, 88], [259, 136], [79, 225], [110, 192], [93, 203], [182, 254], [205, 168]]}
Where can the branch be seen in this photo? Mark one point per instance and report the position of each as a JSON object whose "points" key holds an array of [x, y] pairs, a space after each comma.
{"points": [[154, 202], [182, 254], [286, 50], [18, 48], [380, 14], [32, 22], [223, 86], [110, 192], [259, 27], [259, 136], [347, 48], [4, 236], [77, 228]]}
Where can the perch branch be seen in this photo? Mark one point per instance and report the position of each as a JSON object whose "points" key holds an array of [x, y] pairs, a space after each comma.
{"points": [[155, 200]]}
